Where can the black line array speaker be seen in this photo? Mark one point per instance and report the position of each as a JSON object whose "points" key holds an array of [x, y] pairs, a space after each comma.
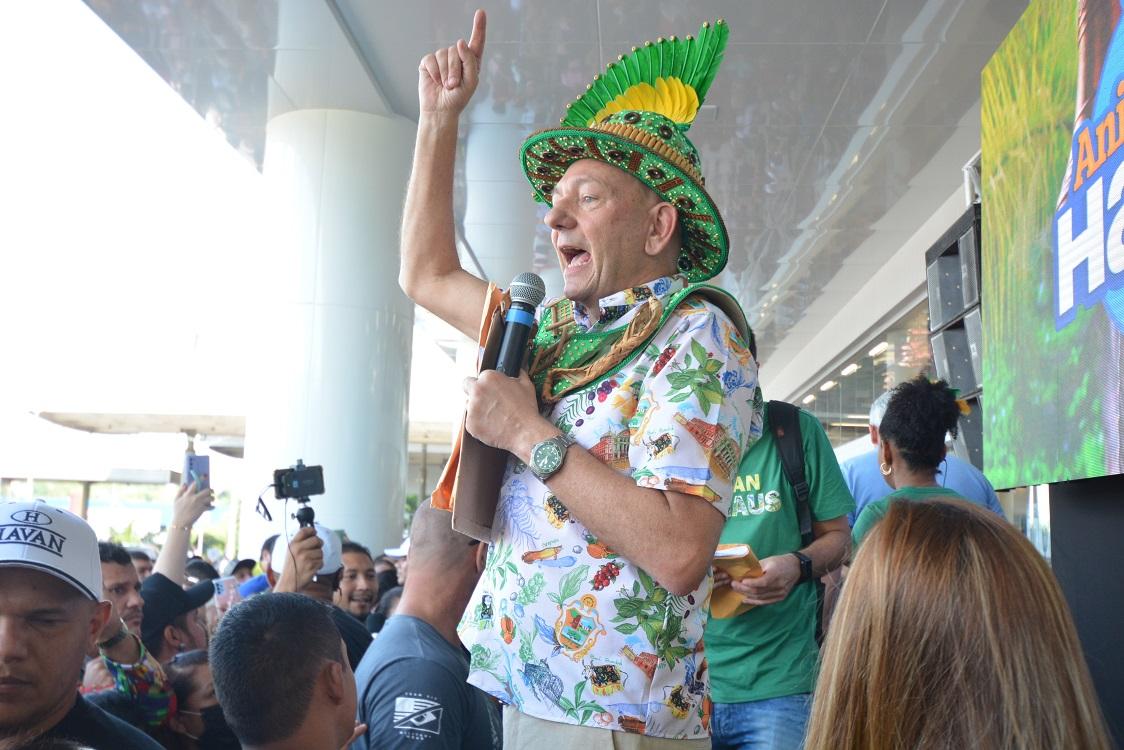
{"points": [[952, 274]]}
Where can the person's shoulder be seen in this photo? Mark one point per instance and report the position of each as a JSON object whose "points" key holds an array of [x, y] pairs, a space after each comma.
{"points": [[700, 317], [868, 516], [133, 738], [391, 676], [861, 460], [701, 305], [404, 643], [347, 620], [874, 510], [960, 467], [89, 724]]}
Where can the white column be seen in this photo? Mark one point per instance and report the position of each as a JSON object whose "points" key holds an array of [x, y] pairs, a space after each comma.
{"points": [[499, 215], [336, 330]]}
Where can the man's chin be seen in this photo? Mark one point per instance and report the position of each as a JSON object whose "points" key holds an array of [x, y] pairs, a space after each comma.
{"points": [[576, 292]]}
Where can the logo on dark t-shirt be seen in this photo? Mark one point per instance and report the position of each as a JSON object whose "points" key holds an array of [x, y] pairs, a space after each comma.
{"points": [[416, 716]]}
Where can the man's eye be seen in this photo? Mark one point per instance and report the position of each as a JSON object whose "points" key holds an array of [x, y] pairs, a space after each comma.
{"points": [[46, 621]]}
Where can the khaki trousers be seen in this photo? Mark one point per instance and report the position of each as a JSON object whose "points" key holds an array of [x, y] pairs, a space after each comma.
{"points": [[524, 732]]}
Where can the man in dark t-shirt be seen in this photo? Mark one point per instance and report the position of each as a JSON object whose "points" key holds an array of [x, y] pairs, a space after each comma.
{"points": [[88, 724], [413, 689], [51, 615]]}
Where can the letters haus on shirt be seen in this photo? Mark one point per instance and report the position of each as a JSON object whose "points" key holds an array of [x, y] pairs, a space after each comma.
{"points": [[770, 651]]}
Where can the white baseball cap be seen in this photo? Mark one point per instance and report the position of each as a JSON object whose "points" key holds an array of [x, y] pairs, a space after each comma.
{"points": [[399, 551], [333, 559], [39, 536]]}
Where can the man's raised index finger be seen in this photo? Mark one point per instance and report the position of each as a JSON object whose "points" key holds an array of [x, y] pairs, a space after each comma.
{"points": [[479, 31]]}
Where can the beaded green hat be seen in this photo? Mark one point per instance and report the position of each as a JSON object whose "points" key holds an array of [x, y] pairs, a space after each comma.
{"points": [[635, 116]]}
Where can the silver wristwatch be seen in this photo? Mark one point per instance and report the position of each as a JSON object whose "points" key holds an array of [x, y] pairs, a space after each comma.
{"points": [[547, 456]]}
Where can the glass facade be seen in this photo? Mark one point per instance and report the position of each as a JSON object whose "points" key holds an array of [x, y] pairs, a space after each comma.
{"points": [[841, 397]]}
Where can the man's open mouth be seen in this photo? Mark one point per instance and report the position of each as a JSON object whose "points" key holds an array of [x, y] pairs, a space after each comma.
{"points": [[573, 256]]}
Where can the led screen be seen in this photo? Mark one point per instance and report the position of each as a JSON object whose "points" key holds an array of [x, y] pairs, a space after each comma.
{"points": [[1052, 110]]}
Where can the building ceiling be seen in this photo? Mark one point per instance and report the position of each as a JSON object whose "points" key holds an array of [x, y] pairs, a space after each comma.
{"points": [[822, 117]]}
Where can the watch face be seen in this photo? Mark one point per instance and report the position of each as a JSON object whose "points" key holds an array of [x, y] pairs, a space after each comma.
{"points": [[547, 457]]}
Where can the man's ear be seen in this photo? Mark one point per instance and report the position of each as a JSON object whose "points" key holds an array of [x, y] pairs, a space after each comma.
{"points": [[333, 678], [172, 636], [175, 723], [99, 616], [663, 230]]}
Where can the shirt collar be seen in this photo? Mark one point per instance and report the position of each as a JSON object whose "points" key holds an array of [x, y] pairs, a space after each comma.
{"points": [[615, 306]]}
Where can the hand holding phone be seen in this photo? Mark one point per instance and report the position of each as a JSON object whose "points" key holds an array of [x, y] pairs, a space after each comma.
{"points": [[197, 471]]}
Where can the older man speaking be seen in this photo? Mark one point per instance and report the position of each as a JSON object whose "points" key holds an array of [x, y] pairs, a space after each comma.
{"points": [[625, 435]]}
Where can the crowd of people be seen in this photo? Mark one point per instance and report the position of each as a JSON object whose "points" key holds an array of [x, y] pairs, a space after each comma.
{"points": [[886, 603], [101, 648]]}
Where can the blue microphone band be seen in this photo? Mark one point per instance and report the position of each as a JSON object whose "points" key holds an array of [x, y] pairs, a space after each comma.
{"points": [[515, 315]]}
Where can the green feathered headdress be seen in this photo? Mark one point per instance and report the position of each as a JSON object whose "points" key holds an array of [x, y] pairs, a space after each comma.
{"points": [[634, 116]]}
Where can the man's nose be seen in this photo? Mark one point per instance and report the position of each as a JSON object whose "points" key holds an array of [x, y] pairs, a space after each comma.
{"points": [[134, 600], [557, 217], [13, 644], [362, 583]]}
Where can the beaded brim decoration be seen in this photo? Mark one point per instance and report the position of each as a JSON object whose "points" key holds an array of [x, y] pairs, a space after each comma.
{"points": [[635, 116]]}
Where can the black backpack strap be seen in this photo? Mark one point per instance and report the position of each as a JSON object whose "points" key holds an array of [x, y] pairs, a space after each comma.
{"points": [[784, 422]]}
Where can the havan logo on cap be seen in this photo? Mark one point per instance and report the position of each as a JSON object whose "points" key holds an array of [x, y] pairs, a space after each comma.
{"points": [[33, 536], [34, 517]]}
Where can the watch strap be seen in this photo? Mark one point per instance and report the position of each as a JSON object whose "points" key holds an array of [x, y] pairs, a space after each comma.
{"points": [[805, 566]]}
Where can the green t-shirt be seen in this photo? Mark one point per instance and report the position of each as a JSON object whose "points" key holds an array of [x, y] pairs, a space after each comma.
{"points": [[770, 651], [873, 512]]}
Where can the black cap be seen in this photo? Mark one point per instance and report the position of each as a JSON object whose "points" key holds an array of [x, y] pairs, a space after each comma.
{"points": [[164, 601], [235, 565]]}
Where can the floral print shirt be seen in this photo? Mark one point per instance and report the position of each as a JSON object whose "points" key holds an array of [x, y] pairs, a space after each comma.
{"points": [[560, 626]]}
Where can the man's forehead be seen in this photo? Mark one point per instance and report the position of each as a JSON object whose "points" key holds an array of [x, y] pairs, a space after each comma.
{"points": [[587, 170], [357, 560], [117, 572], [606, 175], [23, 589]]}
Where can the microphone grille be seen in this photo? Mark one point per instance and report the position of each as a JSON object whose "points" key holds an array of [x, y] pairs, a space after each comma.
{"points": [[527, 288]]}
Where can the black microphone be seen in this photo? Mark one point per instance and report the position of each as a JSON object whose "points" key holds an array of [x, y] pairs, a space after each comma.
{"points": [[527, 291]]}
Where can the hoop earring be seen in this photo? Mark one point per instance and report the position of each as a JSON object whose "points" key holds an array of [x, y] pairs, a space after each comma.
{"points": [[886, 469]]}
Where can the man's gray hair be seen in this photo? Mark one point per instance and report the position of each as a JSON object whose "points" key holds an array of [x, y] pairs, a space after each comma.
{"points": [[878, 408]]}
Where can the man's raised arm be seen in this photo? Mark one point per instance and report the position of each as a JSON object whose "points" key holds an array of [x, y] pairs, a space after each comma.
{"points": [[431, 273]]}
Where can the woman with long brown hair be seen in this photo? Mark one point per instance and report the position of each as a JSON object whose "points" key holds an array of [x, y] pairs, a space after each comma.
{"points": [[952, 633]]}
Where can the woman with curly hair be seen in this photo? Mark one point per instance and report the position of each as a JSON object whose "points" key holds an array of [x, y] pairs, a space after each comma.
{"points": [[911, 447]]}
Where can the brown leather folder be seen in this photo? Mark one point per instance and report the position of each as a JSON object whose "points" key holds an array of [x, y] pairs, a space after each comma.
{"points": [[470, 482]]}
